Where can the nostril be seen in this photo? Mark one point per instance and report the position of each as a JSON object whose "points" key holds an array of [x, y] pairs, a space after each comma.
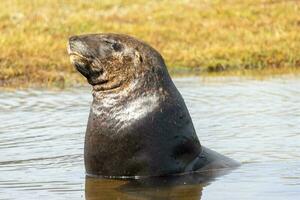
{"points": [[73, 38]]}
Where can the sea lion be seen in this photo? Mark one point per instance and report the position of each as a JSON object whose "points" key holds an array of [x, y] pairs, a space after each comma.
{"points": [[139, 125]]}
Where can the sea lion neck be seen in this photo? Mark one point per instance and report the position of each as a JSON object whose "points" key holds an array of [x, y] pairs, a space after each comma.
{"points": [[142, 85]]}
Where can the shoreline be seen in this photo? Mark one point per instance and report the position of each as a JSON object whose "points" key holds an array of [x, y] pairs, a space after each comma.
{"points": [[66, 80]]}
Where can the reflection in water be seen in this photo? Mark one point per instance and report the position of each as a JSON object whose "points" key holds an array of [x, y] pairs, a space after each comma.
{"points": [[102, 189], [254, 122], [185, 187], [96, 189]]}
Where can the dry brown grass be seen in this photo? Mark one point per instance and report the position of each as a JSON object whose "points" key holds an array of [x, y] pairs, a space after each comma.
{"points": [[207, 36]]}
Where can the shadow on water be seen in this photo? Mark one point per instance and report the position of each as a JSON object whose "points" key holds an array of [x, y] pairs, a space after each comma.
{"points": [[184, 187]]}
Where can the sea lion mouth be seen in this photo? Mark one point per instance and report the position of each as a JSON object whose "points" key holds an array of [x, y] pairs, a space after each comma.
{"points": [[82, 64], [74, 55]]}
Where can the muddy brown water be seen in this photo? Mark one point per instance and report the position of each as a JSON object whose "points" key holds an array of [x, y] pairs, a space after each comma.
{"points": [[255, 122]]}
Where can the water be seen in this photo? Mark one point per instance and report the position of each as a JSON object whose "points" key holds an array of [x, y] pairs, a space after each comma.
{"points": [[255, 122]]}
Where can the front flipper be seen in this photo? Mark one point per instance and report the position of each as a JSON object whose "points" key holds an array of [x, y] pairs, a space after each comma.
{"points": [[210, 160]]}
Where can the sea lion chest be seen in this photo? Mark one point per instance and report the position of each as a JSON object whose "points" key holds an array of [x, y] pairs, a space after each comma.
{"points": [[146, 134]]}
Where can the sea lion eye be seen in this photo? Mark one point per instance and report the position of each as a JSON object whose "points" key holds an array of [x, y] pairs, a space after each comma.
{"points": [[117, 46]]}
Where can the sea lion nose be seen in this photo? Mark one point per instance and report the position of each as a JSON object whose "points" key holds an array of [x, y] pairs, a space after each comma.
{"points": [[73, 38], [75, 43]]}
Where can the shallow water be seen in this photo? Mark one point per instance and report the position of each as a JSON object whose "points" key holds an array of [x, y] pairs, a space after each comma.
{"points": [[255, 122]]}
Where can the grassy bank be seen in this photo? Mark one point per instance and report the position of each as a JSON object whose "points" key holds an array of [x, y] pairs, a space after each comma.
{"points": [[205, 36]]}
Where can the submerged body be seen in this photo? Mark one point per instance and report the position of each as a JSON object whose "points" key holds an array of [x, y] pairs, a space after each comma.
{"points": [[139, 125]]}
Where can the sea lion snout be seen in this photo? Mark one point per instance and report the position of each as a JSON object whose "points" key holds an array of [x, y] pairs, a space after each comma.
{"points": [[83, 56], [77, 47], [73, 38]]}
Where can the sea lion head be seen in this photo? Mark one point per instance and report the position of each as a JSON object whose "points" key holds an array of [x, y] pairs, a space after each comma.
{"points": [[111, 61]]}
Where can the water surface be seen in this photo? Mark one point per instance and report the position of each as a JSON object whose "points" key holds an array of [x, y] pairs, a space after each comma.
{"points": [[254, 122]]}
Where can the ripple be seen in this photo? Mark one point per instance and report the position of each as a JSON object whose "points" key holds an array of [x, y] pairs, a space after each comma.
{"points": [[254, 122]]}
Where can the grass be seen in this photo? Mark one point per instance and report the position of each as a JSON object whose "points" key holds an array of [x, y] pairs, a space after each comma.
{"points": [[208, 37]]}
